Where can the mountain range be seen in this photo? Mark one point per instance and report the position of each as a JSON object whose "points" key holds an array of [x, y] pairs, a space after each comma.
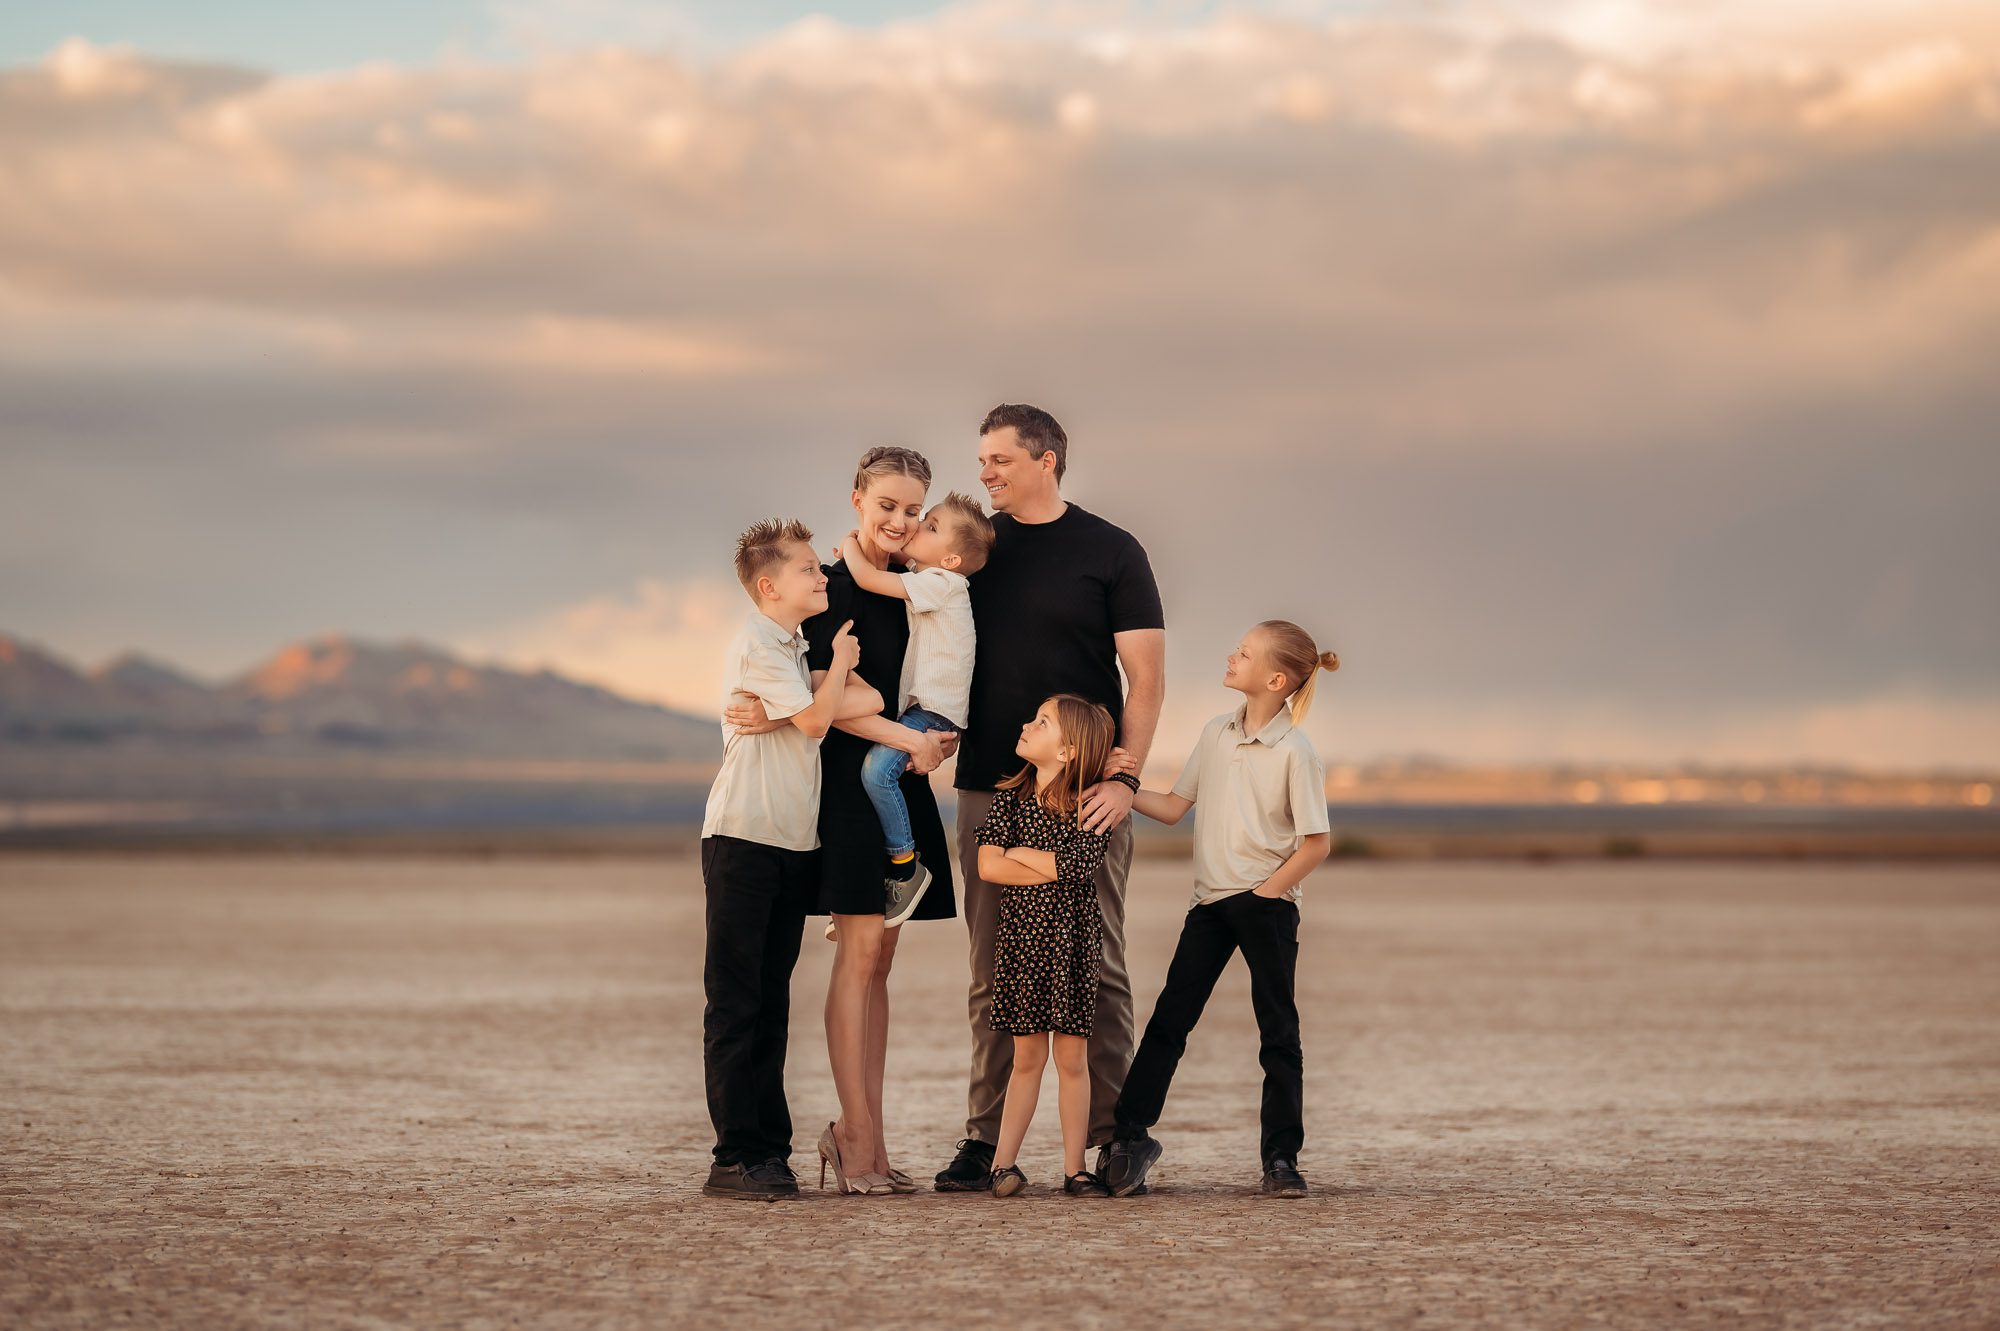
{"points": [[341, 693]]}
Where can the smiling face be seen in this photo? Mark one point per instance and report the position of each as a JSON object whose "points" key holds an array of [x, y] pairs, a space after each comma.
{"points": [[1012, 478], [888, 510], [1249, 669], [1041, 741], [794, 591]]}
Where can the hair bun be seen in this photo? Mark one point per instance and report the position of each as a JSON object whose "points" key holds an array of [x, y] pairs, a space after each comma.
{"points": [[1329, 660]]}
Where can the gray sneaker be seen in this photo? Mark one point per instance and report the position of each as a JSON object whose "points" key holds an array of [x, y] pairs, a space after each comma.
{"points": [[902, 895]]}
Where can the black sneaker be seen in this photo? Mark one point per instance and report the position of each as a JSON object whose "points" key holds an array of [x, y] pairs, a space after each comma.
{"points": [[1282, 1178], [1085, 1184], [1124, 1165], [971, 1170], [765, 1181]]}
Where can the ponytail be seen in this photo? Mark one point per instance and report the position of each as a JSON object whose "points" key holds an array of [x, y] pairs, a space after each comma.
{"points": [[1299, 659]]}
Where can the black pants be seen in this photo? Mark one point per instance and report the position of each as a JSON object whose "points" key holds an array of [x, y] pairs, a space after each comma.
{"points": [[757, 898], [1267, 929]]}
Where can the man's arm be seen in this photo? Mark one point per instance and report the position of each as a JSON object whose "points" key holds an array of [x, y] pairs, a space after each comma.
{"points": [[1293, 871], [866, 576], [927, 749], [1143, 654]]}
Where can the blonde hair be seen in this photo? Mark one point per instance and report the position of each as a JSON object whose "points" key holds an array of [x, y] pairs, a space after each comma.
{"points": [[1088, 732], [1299, 659], [892, 461], [765, 545], [973, 539]]}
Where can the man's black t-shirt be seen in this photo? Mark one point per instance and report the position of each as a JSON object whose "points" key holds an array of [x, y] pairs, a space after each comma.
{"points": [[1045, 607]]}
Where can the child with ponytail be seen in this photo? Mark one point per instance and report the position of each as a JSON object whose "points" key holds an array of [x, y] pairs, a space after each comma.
{"points": [[1259, 794]]}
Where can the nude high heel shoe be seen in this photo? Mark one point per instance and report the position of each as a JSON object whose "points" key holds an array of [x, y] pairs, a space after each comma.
{"points": [[861, 1185]]}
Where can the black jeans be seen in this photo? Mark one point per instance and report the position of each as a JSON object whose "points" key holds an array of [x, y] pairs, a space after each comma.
{"points": [[757, 897], [1267, 929]]}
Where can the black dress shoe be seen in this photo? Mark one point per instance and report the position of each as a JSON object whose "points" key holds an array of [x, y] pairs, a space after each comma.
{"points": [[971, 1170], [765, 1181], [1126, 1163], [1282, 1178]]}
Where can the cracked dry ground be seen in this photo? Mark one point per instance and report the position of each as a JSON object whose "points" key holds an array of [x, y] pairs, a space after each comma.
{"points": [[432, 1092]]}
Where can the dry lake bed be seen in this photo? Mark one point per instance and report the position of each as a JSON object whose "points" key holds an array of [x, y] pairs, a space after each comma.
{"points": [[352, 1092]]}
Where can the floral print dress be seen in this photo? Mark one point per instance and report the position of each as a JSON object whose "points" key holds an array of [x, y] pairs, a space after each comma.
{"points": [[1051, 939]]}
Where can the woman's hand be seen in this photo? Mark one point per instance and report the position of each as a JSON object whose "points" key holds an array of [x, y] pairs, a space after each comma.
{"points": [[926, 751], [748, 717]]}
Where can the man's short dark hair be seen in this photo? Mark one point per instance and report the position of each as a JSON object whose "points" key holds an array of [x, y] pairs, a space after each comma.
{"points": [[1038, 431]]}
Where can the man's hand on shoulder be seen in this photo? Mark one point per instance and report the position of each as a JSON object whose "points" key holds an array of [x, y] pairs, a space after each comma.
{"points": [[1105, 805]]}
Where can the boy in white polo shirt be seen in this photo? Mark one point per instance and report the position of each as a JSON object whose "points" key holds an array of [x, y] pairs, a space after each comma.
{"points": [[1259, 794], [759, 849]]}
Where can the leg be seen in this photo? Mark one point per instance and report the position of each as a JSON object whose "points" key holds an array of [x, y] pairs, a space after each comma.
{"points": [[992, 1051], [878, 1042], [881, 773], [1072, 1054], [774, 1016], [1207, 942], [1268, 932], [1111, 1031], [740, 880], [857, 952], [1024, 1087]]}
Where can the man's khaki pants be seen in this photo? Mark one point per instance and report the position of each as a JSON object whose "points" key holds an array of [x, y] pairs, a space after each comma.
{"points": [[1111, 1031]]}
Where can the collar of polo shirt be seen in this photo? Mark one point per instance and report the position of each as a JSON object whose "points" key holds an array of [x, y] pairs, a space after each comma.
{"points": [[775, 633], [1274, 730]]}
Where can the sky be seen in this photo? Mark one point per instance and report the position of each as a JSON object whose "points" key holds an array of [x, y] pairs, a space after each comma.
{"points": [[1602, 380]]}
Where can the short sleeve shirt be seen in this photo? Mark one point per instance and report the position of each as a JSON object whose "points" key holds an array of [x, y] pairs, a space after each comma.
{"points": [[937, 668], [1256, 797], [768, 788]]}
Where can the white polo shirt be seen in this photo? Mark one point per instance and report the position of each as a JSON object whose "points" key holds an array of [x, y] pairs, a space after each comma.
{"points": [[937, 667], [1256, 798], [768, 788]]}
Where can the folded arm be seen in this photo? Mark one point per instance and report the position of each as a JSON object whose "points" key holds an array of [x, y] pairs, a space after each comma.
{"points": [[1009, 868]]}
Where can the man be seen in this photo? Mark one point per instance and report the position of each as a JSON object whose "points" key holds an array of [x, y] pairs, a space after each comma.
{"points": [[1065, 599]]}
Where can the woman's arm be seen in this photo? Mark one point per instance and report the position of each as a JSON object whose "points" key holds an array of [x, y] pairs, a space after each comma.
{"points": [[926, 748], [1293, 871], [999, 867], [1168, 809], [857, 700]]}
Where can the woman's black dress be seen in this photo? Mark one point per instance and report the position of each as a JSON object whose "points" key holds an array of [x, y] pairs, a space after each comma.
{"points": [[853, 857]]}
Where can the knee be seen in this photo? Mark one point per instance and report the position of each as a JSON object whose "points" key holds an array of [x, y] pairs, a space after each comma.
{"points": [[883, 766], [1030, 1058], [1072, 1057], [860, 951]]}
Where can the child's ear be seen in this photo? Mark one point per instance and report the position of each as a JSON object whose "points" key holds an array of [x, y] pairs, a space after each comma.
{"points": [[767, 590], [1276, 683], [950, 561]]}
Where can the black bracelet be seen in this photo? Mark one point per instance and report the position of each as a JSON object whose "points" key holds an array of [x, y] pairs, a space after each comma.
{"points": [[1128, 779]]}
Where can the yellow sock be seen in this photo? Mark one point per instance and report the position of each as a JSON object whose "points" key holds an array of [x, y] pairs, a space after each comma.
{"points": [[902, 859]]}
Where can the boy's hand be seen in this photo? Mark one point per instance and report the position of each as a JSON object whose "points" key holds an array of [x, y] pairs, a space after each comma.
{"points": [[1121, 761], [846, 648], [1268, 896]]}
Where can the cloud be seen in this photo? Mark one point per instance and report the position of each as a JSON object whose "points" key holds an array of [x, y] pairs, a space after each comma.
{"points": [[1597, 369]]}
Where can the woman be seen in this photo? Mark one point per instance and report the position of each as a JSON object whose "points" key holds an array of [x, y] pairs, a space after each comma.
{"points": [[888, 499]]}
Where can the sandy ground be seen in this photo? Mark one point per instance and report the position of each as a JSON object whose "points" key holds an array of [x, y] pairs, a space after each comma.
{"points": [[461, 1093]]}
